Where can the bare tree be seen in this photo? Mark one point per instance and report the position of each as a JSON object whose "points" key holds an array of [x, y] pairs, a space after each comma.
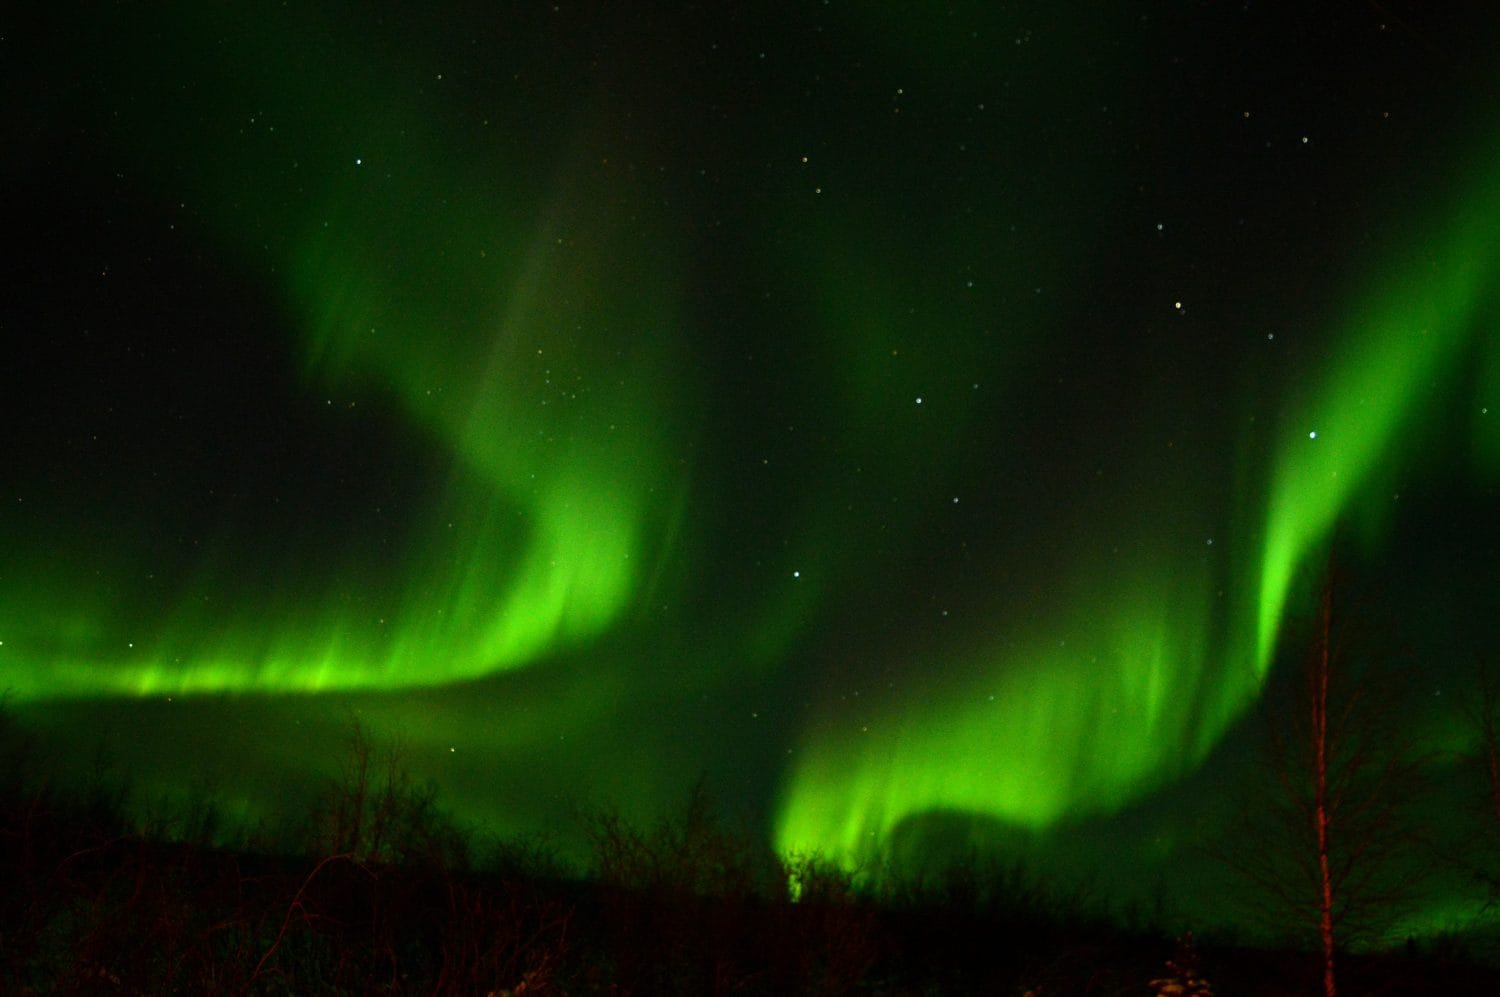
{"points": [[1333, 846], [1326, 798], [374, 811]]}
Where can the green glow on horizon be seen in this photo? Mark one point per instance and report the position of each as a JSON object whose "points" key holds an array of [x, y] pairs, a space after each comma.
{"points": [[1446, 916]]}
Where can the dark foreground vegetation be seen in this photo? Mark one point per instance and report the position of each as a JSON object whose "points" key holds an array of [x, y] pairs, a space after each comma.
{"points": [[382, 893]]}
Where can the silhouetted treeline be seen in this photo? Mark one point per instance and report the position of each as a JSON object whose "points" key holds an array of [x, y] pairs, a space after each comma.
{"points": [[378, 890]]}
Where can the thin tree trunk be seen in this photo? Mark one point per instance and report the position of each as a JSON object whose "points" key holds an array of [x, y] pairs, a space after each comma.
{"points": [[1321, 815]]}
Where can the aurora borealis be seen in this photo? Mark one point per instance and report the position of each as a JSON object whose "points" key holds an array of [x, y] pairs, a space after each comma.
{"points": [[916, 421]]}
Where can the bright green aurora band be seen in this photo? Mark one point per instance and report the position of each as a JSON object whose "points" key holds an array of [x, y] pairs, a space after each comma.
{"points": [[1082, 712], [530, 344], [520, 301]]}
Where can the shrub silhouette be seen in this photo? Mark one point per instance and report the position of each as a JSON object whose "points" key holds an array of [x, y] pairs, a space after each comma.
{"points": [[389, 895]]}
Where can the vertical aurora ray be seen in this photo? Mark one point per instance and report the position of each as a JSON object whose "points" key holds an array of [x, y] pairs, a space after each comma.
{"points": [[553, 394], [1394, 369]]}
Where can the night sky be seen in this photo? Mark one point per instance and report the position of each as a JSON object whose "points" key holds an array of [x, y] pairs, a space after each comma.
{"points": [[931, 422]]}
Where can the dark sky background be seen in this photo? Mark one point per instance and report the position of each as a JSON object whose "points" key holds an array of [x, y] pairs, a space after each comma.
{"points": [[930, 422]]}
